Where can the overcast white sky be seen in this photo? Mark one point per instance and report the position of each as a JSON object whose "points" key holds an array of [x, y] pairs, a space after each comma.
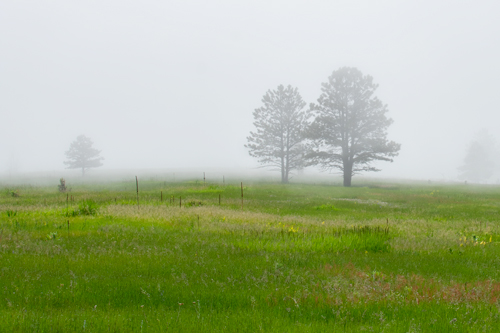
{"points": [[172, 84]]}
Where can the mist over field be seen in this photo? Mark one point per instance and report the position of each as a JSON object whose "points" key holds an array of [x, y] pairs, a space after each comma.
{"points": [[170, 87]]}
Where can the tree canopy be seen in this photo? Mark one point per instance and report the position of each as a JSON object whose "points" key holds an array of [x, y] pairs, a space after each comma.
{"points": [[280, 125], [349, 130], [81, 155]]}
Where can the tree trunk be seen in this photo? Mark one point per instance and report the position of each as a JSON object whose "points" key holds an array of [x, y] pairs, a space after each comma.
{"points": [[284, 178], [283, 170], [347, 179], [347, 173]]}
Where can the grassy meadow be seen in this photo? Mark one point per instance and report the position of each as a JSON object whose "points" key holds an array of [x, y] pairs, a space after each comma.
{"points": [[294, 258]]}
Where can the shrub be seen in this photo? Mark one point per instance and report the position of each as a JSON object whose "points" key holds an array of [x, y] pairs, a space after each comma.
{"points": [[87, 207], [193, 203], [62, 186]]}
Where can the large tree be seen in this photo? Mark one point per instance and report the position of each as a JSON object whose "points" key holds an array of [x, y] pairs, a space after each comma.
{"points": [[280, 124], [81, 155], [349, 131]]}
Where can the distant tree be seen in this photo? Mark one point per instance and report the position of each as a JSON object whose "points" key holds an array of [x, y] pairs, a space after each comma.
{"points": [[349, 131], [479, 163], [280, 124], [81, 155], [62, 186]]}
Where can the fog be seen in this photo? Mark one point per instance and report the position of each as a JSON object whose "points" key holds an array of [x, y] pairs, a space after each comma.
{"points": [[171, 85]]}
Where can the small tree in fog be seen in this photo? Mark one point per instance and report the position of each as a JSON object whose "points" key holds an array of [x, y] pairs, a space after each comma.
{"points": [[62, 185], [479, 162], [280, 125], [81, 155], [349, 131]]}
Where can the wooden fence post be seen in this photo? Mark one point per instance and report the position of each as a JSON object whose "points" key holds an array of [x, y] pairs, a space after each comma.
{"points": [[137, 186]]}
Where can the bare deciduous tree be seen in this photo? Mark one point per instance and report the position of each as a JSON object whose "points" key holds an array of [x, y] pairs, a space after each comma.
{"points": [[82, 155], [280, 124], [350, 126]]}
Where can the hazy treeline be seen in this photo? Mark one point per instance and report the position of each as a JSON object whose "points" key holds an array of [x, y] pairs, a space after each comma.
{"points": [[482, 159]]}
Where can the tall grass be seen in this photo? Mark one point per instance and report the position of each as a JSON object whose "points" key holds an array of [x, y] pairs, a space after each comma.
{"points": [[280, 264]]}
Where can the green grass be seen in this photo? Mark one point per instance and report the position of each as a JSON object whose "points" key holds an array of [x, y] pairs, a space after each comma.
{"points": [[296, 258]]}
